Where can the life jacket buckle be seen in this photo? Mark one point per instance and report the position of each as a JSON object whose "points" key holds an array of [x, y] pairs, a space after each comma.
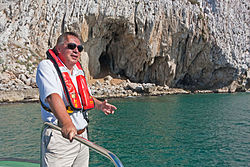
{"points": [[69, 110]]}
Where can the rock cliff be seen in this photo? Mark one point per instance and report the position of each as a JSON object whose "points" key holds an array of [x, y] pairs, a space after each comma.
{"points": [[190, 44]]}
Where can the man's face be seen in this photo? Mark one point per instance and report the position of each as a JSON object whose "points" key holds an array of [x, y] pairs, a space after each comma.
{"points": [[68, 54]]}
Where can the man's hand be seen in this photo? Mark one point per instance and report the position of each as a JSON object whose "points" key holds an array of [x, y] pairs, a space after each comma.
{"points": [[104, 106], [107, 108], [69, 131]]}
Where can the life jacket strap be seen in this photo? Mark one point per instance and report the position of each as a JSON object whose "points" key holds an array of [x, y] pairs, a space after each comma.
{"points": [[68, 108], [44, 107]]}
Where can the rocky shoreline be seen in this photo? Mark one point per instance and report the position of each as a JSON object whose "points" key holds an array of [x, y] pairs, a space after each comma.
{"points": [[107, 88]]}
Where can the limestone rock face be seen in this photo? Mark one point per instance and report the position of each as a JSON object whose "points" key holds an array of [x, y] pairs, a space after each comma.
{"points": [[193, 44]]}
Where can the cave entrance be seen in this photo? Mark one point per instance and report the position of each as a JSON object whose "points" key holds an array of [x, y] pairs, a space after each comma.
{"points": [[104, 61], [106, 66]]}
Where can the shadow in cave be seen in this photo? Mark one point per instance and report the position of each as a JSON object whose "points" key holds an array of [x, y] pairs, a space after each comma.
{"points": [[105, 70]]}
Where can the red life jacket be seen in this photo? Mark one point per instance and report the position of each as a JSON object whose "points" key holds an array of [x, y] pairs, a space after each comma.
{"points": [[87, 101]]}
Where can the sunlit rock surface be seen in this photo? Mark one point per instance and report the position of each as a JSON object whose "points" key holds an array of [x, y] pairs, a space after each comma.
{"points": [[189, 44]]}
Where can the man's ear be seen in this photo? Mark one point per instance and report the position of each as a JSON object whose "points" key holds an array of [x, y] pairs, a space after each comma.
{"points": [[57, 50]]}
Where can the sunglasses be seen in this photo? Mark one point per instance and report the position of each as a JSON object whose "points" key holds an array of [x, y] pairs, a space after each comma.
{"points": [[72, 46]]}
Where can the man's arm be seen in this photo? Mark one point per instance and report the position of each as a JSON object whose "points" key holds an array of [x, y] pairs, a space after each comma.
{"points": [[104, 106], [59, 110]]}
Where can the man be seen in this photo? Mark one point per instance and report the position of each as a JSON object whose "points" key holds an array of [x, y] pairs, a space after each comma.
{"points": [[65, 99]]}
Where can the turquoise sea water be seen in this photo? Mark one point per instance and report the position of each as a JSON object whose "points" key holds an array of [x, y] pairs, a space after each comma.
{"points": [[173, 130]]}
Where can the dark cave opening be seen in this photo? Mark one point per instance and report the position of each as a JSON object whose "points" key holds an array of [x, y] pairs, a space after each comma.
{"points": [[104, 61], [106, 68]]}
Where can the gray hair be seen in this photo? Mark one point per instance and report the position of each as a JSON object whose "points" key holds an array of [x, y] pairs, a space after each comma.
{"points": [[63, 37]]}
